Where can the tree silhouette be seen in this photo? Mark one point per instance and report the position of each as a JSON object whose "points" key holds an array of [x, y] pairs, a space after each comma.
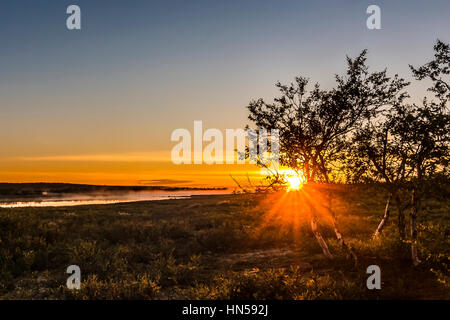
{"points": [[407, 146], [436, 70], [429, 139], [315, 125], [378, 154]]}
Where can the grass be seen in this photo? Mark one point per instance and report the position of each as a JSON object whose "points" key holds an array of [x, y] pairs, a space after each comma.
{"points": [[218, 247]]}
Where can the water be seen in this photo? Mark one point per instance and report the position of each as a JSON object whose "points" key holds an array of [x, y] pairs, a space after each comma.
{"points": [[110, 198]]}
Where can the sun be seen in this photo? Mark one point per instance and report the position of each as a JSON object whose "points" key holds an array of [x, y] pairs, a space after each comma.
{"points": [[293, 179], [294, 183]]}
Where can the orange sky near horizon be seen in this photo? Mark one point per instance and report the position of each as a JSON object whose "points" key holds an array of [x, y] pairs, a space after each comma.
{"points": [[153, 168]]}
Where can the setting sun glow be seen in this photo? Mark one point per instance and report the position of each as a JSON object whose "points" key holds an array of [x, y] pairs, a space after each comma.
{"points": [[293, 179]]}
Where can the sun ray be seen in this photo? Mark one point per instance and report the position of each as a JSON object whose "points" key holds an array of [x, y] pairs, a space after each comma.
{"points": [[294, 179]]}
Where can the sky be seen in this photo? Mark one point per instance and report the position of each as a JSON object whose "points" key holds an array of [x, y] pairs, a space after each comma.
{"points": [[98, 105]]}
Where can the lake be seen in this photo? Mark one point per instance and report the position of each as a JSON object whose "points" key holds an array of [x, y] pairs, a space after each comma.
{"points": [[63, 200]]}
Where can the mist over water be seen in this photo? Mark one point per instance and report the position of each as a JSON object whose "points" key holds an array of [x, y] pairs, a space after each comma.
{"points": [[63, 200]]}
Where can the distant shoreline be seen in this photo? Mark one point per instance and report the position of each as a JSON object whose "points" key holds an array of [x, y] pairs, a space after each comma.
{"points": [[44, 189]]}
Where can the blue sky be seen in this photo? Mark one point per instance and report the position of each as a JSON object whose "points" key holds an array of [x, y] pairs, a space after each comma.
{"points": [[140, 69]]}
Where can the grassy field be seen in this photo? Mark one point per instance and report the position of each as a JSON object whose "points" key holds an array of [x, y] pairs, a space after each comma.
{"points": [[219, 247]]}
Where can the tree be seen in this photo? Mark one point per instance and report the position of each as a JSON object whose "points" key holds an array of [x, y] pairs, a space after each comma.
{"points": [[314, 126], [423, 132], [436, 70], [408, 145], [379, 154], [429, 142]]}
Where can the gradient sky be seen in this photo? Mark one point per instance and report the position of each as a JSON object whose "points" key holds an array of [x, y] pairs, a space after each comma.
{"points": [[98, 105]]}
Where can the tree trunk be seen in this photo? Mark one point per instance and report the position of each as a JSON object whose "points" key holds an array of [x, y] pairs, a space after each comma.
{"points": [[413, 215], [315, 229], [320, 239], [348, 250], [401, 218], [385, 217]]}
